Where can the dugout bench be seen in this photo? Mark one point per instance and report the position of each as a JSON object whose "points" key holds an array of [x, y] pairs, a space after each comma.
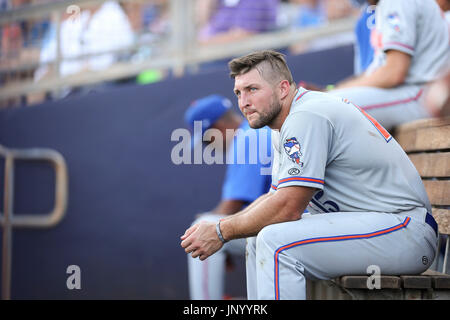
{"points": [[427, 143]]}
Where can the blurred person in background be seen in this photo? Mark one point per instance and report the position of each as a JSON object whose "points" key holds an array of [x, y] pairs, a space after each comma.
{"points": [[20, 45], [317, 13], [243, 183], [223, 21], [12, 33], [364, 50], [151, 24], [437, 96], [338, 9], [150, 21], [406, 59], [97, 31], [310, 13], [445, 7]]}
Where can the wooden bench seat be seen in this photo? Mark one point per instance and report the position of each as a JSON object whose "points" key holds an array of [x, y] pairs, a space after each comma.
{"points": [[429, 285], [427, 143]]}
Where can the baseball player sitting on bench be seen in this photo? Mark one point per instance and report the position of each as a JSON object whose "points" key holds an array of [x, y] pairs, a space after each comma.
{"points": [[367, 203], [411, 43], [244, 182]]}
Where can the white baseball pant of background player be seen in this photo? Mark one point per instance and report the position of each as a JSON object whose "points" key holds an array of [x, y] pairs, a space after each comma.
{"points": [[207, 278], [390, 107]]}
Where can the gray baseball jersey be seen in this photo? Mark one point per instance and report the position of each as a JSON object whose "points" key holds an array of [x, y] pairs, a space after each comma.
{"points": [[417, 28], [330, 144], [372, 202]]}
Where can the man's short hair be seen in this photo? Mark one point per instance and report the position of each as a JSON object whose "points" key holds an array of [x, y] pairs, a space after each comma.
{"points": [[270, 64]]}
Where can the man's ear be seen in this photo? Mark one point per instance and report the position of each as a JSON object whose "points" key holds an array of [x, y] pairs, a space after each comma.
{"points": [[284, 89]]}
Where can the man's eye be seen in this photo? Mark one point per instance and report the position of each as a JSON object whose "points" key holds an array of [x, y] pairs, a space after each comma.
{"points": [[252, 89]]}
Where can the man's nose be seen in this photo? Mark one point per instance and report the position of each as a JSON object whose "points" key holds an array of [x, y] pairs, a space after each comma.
{"points": [[244, 100]]}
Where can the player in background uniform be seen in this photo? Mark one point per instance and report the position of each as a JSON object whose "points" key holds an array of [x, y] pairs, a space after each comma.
{"points": [[244, 182], [411, 41], [445, 7], [363, 48], [367, 202], [437, 97], [437, 94]]}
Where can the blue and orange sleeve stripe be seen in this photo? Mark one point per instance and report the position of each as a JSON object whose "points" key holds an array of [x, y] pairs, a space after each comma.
{"points": [[293, 179], [302, 179]]}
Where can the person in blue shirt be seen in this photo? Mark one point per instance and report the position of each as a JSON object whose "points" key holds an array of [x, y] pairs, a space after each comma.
{"points": [[363, 48], [248, 175], [311, 14]]}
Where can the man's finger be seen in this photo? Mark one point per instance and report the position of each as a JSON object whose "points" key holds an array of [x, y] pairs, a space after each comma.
{"points": [[186, 243], [195, 253], [189, 248], [189, 231]]}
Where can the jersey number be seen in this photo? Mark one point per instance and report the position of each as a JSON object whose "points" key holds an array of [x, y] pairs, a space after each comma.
{"points": [[327, 206]]}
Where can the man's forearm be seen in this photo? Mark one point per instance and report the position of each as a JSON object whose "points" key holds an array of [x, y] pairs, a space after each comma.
{"points": [[267, 210], [392, 74], [253, 204], [227, 207], [249, 223], [381, 78]]}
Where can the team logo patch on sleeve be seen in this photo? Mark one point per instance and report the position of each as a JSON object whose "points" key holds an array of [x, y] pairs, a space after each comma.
{"points": [[292, 148], [394, 21]]}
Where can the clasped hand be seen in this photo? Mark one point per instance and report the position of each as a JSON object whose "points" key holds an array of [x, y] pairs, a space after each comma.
{"points": [[201, 240]]}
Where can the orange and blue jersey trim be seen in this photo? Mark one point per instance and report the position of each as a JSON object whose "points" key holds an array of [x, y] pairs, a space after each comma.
{"points": [[301, 179], [301, 95], [386, 135], [329, 239]]}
